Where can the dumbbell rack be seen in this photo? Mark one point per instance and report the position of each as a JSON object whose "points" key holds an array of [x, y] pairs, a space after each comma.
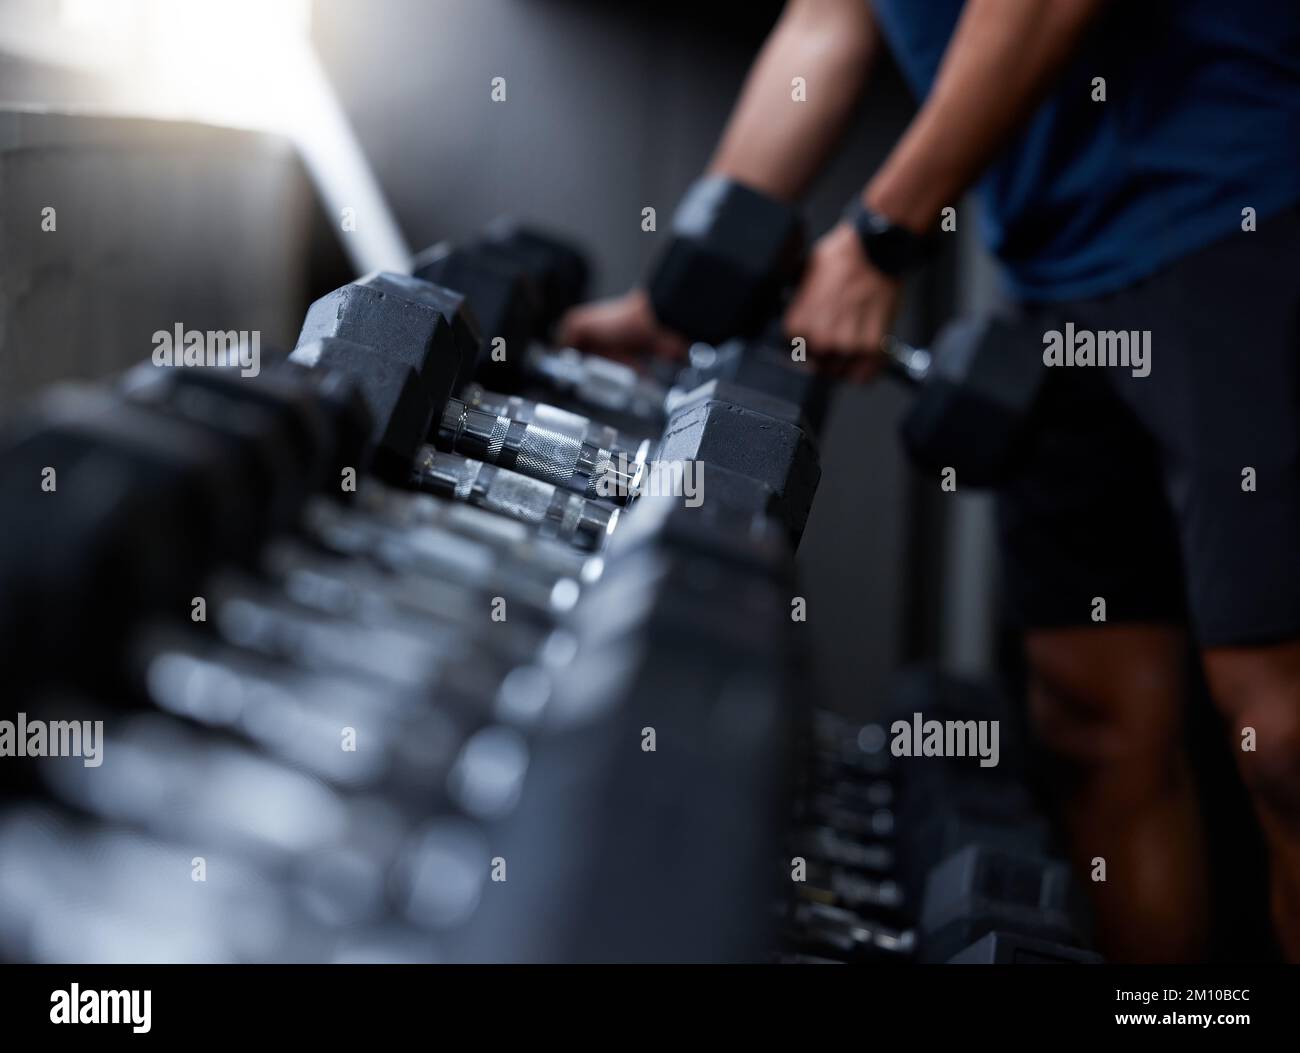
{"points": [[368, 723], [924, 858], [348, 757]]}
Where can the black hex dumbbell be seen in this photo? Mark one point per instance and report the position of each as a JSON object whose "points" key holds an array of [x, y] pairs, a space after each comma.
{"points": [[760, 366], [733, 254], [506, 280], [82, 560], [293, 431], [395, 398], [558, 269], [743, 440], [429, 329], [979, 890], [143, 504], [772, 450], [256, 418], [1012, 948], [182, 442], [406, 321]]}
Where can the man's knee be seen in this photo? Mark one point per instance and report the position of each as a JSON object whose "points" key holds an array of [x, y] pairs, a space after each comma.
{"points": [[1258, 690], [1107, 697]]}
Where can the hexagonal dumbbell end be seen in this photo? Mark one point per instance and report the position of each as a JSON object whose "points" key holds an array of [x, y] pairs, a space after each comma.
{"points": [[722, 390], [349, 415], [429, 328], [761, 366], [502, 296], [975, 399], [400, 411], [733, 251], [773, 452], [557, 269]]}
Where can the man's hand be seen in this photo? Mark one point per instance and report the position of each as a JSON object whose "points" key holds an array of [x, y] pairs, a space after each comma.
{"points": [[624, 327], [843, 307]]}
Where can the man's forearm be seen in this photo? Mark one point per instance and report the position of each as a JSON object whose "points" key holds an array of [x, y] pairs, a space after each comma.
{"points": [[774, 143], [1003, 57]]}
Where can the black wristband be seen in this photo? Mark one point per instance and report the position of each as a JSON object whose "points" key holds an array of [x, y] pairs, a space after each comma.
{"points": [[890, 248]]}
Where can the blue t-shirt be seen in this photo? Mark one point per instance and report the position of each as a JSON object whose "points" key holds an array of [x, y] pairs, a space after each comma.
{"points": [[1201, 120]]}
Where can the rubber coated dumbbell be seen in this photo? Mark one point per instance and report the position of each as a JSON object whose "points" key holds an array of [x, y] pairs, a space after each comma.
{"points": [[428, 329], [1012, 948], [253, 416], [734, 252], [486, 278], [410, 327], [519, 284], [760, 366], [145, 501], [979, 889], [946, 803], [725, 437]]}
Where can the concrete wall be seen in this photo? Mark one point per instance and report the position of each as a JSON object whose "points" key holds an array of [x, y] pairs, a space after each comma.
{"points": [[154, 224], [157, 222]]}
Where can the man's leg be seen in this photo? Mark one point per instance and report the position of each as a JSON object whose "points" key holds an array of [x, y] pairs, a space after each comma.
{"points": [[1258, 689], [1106, 703], [1086, 531], [1228, 426]]}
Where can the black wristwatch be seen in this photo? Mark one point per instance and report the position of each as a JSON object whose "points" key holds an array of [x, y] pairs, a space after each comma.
{"points": [[891, 248]]}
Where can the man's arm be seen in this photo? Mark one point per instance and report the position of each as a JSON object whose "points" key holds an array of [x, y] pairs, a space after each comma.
{"points": [[1000, 62], [774, 143], [771, 143]]}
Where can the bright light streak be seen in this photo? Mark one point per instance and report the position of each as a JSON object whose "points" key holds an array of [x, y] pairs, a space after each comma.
{"points": [[244, 63]]}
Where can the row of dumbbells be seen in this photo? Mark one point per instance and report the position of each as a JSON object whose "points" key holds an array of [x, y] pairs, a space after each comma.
{"points": [[345, 720], [924, 858], [432, 371]]}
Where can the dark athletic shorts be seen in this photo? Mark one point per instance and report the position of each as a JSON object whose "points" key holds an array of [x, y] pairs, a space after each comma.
{"points": [[1133, 489]]}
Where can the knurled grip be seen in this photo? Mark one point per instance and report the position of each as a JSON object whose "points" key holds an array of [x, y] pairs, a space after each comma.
{"points": [[557, 513], [518, 496], [554, 511], [542, 453], [567, 423], [598, 381], [548, 455], [544, 415]]}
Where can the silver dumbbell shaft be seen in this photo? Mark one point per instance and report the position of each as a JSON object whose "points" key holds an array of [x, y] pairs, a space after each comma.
{"points": [[544, 415], [554, 512], [539, 452], [598, 382]]}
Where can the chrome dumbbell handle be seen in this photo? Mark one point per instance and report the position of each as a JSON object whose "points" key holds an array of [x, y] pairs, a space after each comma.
{"points": [[584, 429], [597, 381], [554, 512], [909, 363], [539, 452], [448, 538]]}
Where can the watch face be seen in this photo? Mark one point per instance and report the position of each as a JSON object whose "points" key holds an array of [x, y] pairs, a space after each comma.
{"points": [[875, 223], [892, 245], [891, 248]]}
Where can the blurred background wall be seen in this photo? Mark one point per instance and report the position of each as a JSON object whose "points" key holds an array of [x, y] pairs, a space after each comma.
{"points": [[153, 223], [609, 108]]}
